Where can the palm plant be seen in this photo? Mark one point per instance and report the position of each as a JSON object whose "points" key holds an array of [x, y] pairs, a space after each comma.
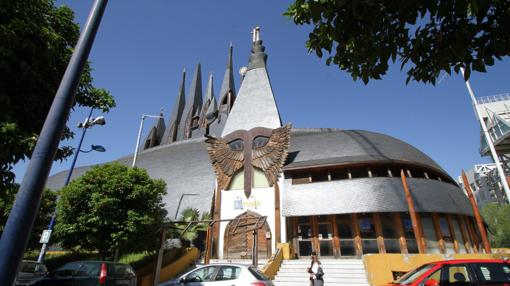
{"points": [[192, 215]]}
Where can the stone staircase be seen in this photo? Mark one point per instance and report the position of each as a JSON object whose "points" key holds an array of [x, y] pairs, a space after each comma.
{"points": [[348, 272]]}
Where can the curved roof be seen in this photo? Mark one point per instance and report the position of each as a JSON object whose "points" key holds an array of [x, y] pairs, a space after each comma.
{"points": [[186, 168], [325, 146]]}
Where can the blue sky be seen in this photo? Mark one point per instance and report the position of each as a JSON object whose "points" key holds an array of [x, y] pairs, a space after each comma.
{"points": [[143, 46]]}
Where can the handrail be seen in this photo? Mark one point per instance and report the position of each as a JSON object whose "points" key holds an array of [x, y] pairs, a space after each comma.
{"points": [[273, 264], [493, 98]]}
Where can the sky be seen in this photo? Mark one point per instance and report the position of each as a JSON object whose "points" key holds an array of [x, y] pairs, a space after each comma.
{"points": [[142, 48]]}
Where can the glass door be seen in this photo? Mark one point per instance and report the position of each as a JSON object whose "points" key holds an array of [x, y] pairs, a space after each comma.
{"points": [[345, 235], [325, 236], [304, 230]]}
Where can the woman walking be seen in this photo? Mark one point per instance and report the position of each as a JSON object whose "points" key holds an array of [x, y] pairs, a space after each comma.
{"points": [[315, 271]]}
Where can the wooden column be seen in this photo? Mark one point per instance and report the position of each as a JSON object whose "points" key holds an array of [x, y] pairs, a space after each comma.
{"points": [[400, 232], [478, 217], [378, 232], [315, 234], [472, 234], [357, 235], [412, 212], [439, 235], [336, 240], [208, 246], [216, 227], [277, 213], [467, 244], [452, 232]]}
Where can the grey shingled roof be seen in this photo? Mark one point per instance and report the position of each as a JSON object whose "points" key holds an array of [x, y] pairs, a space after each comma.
{"points": [[325, 146], [372, 195]]}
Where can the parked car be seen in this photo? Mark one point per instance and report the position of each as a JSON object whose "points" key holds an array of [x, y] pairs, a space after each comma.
{"points": [[90, 273], [458, 272], [222, 274], [30, 271]]}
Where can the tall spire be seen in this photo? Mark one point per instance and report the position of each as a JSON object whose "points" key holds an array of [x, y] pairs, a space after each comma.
{"points": [[255, 104], [210, 108], [154, 138], [175, 119], [193, 104], [228, 89]]}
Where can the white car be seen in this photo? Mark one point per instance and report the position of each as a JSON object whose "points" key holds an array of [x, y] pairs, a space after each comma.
{"points": [[222, 274]]}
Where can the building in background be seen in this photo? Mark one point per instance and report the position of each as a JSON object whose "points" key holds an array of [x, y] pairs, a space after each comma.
{"points": [[339, 192], [485, 184]]}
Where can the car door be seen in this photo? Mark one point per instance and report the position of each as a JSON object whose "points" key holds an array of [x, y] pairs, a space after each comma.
{"points": [[200, 277]]}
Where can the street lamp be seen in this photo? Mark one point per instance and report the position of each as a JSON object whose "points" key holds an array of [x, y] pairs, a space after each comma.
{"points": [[180, 201], [86, 124], [135, 155]]}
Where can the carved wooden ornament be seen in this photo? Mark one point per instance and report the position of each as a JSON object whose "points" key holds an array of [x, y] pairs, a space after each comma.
{"points": [[262, 148]]}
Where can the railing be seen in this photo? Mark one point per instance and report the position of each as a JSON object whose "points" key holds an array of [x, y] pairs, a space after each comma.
{"points": [[493, 98], [273, 264]]}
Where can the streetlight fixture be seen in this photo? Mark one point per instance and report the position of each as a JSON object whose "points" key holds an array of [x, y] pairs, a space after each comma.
{"points": [[87, 123], [135, 155]]}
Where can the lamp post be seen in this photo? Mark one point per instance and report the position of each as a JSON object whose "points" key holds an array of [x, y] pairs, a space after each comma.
{"points": [[135, 155], [180, 201], [87, 123]]}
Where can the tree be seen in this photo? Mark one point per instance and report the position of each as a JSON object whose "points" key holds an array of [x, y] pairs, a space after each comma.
{"points": [[498, 219], [37, 40], [48, 204], [361, 37], [111, 207], [191, 233]]}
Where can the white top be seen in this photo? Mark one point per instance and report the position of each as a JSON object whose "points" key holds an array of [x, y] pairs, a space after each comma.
{"points": [[315, 268]]}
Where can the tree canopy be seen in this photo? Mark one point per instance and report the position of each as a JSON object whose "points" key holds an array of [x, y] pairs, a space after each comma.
{"points": [[42, 220], [427, 37], [36, 43], [111, 207], [498, 219]]}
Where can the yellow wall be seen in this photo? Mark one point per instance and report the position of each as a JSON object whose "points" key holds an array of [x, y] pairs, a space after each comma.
{"points": [[273, 265], [173, 269], [379, 267]]}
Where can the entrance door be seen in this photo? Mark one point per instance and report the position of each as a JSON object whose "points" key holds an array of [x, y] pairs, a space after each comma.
{"points": [[304, 230], [346, 236], [238, 238]]}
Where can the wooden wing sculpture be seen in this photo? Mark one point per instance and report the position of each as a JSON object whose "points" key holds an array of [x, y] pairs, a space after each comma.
{"points": [[262, 148]]}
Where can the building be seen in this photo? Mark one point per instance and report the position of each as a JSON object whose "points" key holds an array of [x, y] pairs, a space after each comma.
{"points": [[339, 192], [485, 184]]}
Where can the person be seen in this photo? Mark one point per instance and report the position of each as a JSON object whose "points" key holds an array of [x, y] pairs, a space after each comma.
{"points": [[315, 271]]}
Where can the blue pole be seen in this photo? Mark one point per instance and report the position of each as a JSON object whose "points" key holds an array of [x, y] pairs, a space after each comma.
{"points": [[68, 178], [21, 218]]}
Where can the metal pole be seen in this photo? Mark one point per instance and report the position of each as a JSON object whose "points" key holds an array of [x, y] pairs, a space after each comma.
{"points": [[159, 260], [21, 219], [66, 182], [487, 136], [138, 141]]}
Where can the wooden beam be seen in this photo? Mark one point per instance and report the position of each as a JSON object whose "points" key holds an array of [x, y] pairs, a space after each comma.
{"points": [[400, 232], [357, 235], [467, 243], [452, 232], [412, 212], [478, 217], [208, 246], [277, 214], [216, 227], [378, 232], [315, 234], [336, 240], [439, 234], [472, 234]]}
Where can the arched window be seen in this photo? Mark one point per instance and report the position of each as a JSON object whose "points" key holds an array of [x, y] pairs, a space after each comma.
{"points": [[259, 180]]}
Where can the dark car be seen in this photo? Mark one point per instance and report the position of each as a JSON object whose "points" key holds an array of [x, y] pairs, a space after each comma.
{"points": [[464, 272], [90, 273], [30, 271]]}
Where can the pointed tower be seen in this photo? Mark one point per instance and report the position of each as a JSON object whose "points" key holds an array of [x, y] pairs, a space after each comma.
{"points": [[156, 134], [193, 106], [210, 107], [175, 119], [228, 89], [255, 104]]}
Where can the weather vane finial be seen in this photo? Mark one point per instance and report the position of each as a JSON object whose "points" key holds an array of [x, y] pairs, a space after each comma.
{"points": [[256, 34]]}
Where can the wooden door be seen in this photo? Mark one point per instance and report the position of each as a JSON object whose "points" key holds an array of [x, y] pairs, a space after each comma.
{"points": [[238, 238]]}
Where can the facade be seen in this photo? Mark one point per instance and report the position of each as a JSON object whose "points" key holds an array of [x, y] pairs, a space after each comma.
{"points": [[338, 192], [485, 184]]}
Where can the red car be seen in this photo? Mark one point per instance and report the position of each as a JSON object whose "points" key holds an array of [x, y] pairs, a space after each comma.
{"points": [[459, 273]]}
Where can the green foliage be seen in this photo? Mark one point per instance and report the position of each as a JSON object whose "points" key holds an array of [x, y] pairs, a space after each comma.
{"points": [[191, 233], [46, 209], [109, 207], [361, 37], [498, 219], [37, 40]]}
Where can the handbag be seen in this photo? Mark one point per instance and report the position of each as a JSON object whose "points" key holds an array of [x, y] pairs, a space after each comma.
{"points": [[320, 273]]}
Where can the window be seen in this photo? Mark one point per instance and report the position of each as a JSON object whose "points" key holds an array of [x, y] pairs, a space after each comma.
{"points": [[320, 176], [201, 274], [430, 235], [259, 179], [379, 172], [412, 246], [456, 275], [389, 229], [359, 173], [340, 174], [67, 270], [492, 273], [228, 273], [417, 173], [300, 178], [237, 182]]}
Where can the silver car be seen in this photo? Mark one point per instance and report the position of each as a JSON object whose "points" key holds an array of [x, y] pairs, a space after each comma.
{"points": [[222, 274]]}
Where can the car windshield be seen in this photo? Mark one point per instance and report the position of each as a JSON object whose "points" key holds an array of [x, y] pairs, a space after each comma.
{"points": [[413, 275], [492, 273]]}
